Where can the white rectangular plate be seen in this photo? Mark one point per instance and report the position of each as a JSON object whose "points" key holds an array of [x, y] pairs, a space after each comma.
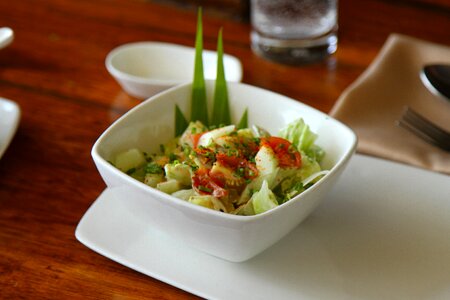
{"points": [[9, 120], [382, 233]]}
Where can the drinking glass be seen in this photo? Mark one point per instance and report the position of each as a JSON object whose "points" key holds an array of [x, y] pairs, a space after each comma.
{"points": [[294, 31]]}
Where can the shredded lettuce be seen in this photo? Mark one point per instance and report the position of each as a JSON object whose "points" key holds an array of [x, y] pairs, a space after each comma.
{"points": [[301, 136], [184, 194], [309, 166], [314, 177], [264, 199]]}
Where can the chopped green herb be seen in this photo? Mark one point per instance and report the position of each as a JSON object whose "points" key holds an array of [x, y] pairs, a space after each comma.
{"points": [[187, 151], [153, 168], [240, 172], [204, 189], [131, 171], [173, 157]]}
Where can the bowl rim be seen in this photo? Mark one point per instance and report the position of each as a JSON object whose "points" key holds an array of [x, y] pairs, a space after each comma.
{"points": [[118, 74], [226, 216]]}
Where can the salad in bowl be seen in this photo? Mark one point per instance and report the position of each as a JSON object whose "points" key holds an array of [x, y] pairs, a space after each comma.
{"points": [[234, 234], [243, 171]]}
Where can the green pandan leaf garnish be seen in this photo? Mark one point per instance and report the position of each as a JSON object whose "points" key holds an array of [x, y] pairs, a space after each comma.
{"points": [[199, 109], [180, 121], [243, 123], [221, 110]]}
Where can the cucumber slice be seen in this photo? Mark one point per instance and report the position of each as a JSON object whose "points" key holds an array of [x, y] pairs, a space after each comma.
{"points": [[209, 137], [266, 161], [130, 159], [169, 187]]}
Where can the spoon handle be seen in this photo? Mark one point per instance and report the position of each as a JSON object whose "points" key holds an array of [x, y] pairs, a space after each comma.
{"points": [[438, 76]]}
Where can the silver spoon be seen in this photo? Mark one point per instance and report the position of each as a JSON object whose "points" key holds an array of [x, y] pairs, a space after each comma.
{"points": [[6, 36], [437, 79]]}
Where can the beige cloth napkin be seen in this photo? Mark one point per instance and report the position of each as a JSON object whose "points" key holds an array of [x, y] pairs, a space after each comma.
{"points": [[372, 104]]}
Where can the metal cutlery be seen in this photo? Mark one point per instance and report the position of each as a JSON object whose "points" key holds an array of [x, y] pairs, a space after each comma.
{"points": [[424, 128]]}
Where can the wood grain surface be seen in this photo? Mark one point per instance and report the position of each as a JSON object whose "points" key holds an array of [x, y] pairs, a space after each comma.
{"points": [[55, 71]]}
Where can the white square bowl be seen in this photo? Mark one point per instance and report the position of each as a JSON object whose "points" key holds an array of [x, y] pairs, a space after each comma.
{"points": [[231, 237]]}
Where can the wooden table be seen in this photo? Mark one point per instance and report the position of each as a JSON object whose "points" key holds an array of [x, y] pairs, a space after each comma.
{"points": [[55, 71]]}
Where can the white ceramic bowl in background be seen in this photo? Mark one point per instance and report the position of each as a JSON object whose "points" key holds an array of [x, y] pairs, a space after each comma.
{"points": [[9, 121], [231, 237], [145, 68], [6, 36]]}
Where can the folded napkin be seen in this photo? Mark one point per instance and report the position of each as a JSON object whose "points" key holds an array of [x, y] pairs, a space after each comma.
{"points": [[372, 104]]}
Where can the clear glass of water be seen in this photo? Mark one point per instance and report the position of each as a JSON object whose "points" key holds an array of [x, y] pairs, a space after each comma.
{"points": [[294, 31]]}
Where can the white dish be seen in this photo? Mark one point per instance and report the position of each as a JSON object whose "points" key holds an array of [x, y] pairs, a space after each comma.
{"points": [[231, 237], [6, 37], [145, 68], [382, 233], [9, 120]]}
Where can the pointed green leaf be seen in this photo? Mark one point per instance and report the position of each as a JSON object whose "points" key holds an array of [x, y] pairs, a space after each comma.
{"points": [[180, 121], [243, 123], [199, 110], [221, 109]]}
